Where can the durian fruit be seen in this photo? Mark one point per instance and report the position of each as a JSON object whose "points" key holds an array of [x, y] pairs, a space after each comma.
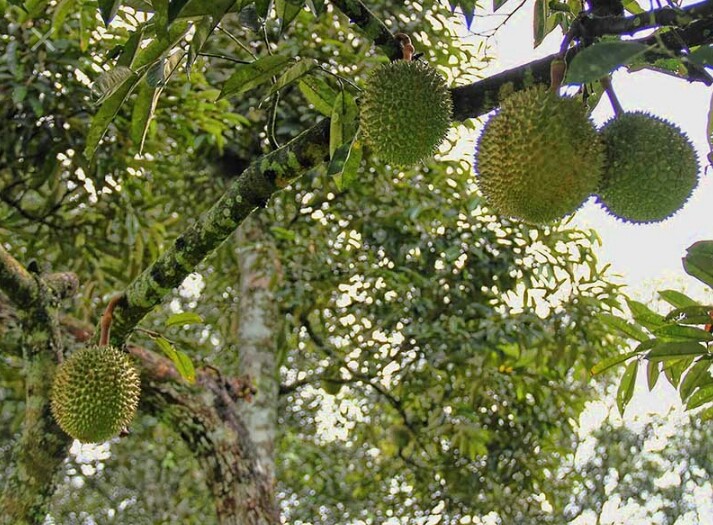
{"points": [[651, 168], [539, 157], [95, 393], [405, 111]]}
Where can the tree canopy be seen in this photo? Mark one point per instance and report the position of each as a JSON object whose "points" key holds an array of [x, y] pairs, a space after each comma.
{"points": [[323, 337]]}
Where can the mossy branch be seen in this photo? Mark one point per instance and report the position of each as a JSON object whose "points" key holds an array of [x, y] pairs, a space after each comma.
{"points": [[18, 283], [251, 190], [663, 17], [41, 446], [478, 98]]}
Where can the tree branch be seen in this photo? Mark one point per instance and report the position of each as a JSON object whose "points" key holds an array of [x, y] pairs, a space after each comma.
{"points": [[42, 446], [251, 190], [19, 284], [206, 417], [476, 99], [595, 26], [371, 26]]}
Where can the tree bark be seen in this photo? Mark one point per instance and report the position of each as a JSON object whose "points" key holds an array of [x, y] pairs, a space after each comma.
{"points": [[206, 416], [256, 338], [38, 453]]}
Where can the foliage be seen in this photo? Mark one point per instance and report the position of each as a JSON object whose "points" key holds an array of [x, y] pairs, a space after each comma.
{"points": [[471, 335], [676, 345]]}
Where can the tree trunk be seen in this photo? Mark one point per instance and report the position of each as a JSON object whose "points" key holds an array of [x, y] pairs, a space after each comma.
{"points": [[256, 339]]}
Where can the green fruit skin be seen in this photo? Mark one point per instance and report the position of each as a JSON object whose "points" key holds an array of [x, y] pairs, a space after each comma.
{"points": [[95, 393], [405, 111], [651, 168], [539, 157]]}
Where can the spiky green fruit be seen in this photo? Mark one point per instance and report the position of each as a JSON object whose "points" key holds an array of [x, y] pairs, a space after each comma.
{"points": [[405, 111], [95, 393], [651, 168], [539, 157]]}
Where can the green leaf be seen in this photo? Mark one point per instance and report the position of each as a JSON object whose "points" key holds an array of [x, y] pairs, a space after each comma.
{"points": [[626, 328], [184, 318], [318, 93], [294, 73], [199, 8], [316, 6], [181, 361], [677, 299], [159, 73], [287, 11], [175, 8], [343, 124], [645, 316], [107, 9], [675, 368], [632, 6], [142, 113], [217, 9], [263, 7], [598, 60], [696, 377], [702, 56], [700, 397], [497, 4], [344, 165], [540, 21], [626, 387], [652, 373], [249, 76], [110, 107], [666, 351], [611, 362], [682, 333], [111, 81], [698, 262], [690, 315]]}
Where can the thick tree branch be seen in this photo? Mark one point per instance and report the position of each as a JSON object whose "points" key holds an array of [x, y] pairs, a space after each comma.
{"points": [[206, 417], [474, 100], [251, 190], [595, 26], [42, 446], [19, 284]]}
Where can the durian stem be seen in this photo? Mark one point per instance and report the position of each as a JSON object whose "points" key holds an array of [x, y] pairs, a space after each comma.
{"points": [[107, 318], [558, 67], [609, 89], [407, 48]]}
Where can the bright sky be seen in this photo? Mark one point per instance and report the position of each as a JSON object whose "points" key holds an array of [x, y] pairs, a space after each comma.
{"points": [[647, 257]]}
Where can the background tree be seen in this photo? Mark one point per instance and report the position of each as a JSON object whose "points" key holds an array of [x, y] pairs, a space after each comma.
{"points": [[461, 342]]}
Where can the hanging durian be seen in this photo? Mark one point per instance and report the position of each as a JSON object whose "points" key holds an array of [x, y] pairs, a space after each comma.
{"points": [[651, 168], [95, 393], [539, 157], [405, 111]]}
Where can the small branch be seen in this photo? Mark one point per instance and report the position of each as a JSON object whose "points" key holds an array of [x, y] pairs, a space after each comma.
{"points": [[371, 26], [107, 318], [613, 99], [224, 57]]}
